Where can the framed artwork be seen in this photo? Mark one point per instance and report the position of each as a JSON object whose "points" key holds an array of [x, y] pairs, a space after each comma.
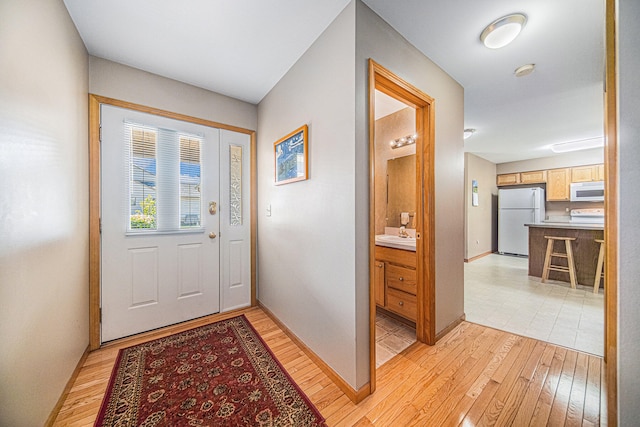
{"points": [[291, 156], [474, 193]]}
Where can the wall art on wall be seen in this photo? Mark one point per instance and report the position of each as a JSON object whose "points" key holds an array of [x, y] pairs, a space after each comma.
{"points": [[291, 157], [474, 193]]}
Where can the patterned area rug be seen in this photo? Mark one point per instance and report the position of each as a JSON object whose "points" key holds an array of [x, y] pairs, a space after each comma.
{"points": [[222, 374]]}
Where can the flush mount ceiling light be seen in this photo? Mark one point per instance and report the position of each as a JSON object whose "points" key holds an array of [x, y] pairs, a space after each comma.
{"points": [[503, 31], [525, 70], [468, 133], [405, 140], [583, 144]]}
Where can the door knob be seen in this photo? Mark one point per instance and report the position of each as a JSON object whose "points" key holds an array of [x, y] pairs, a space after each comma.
{"points": [[213, 208], [402, 279], [212, 235]]}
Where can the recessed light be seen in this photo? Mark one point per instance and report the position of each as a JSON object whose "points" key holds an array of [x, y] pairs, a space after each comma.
{"points": [[525, 70], [503, 31]]}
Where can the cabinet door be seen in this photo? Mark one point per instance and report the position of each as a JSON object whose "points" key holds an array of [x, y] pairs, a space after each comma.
{"points": [[584, 173], [378, 283], [558, 184], [600, 173], [508, 179], [533, 177]]}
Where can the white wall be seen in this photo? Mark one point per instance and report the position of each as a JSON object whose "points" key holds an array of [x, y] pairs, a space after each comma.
{"points": [[125, 83], [629, 232], [481, 222], [43, 207], [306, 247], [377, 40]]}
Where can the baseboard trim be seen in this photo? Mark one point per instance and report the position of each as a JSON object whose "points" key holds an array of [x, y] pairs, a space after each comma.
{"points": [[56, 409], [450, 327], [356, 396], [473, 258]]}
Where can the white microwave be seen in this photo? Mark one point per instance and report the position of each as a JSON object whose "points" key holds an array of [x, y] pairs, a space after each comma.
{"points": [[587, 191]]}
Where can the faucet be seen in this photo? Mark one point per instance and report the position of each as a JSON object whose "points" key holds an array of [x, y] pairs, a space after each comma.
{"points": [[403, 232]]}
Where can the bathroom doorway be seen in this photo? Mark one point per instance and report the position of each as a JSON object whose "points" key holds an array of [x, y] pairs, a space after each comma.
{"points": [[402, 255]]}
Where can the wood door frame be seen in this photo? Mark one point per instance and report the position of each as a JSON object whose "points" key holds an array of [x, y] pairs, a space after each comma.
{"points": [[385, 81], [94, 198], [611, 230]]}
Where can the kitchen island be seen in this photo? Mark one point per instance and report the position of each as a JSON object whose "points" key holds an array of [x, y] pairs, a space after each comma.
{"points": [[585, 249]]}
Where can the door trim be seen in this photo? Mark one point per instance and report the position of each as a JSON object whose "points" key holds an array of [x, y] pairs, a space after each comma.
{"points": [[385, 81], [94, 198]]}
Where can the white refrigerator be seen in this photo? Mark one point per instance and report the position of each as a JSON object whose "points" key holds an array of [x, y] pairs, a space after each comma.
{"points": [[517, 207]]}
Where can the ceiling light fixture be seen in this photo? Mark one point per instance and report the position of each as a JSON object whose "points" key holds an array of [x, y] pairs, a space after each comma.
{"points": [[468, 133], [583, 144], [405, 140], [503, 31], [525, 70]]}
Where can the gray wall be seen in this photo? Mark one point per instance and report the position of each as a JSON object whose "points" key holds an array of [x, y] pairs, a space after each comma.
{"points": [[377, 40], [125, 83], [306, 247], [481, 225], [629, 232], [43, 207]]}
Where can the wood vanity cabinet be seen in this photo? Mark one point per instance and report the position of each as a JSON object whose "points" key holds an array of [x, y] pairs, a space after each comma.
{"points": [[587, 173], [558, 184], [395, 281]]}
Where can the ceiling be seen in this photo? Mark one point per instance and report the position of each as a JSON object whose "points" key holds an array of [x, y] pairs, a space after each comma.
{"points": [[243, 48]]}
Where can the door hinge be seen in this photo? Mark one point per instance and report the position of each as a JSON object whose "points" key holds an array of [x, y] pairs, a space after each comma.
{"points": [[100, 225], [100, 133], [100, 314]]}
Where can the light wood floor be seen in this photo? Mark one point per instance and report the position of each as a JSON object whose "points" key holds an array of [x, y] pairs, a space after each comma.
{"points": [[473, 376]]}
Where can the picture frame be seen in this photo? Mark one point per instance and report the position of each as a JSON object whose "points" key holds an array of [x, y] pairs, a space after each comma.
{"points": [[291, 157]]}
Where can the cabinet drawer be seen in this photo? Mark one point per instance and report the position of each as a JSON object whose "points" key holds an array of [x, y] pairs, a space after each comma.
{"points": [[403, 279], [402, 303]]}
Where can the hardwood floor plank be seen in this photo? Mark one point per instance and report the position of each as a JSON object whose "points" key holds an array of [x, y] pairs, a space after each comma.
{"points": [[543, 405], [563, 392], [472, 376], [575, 410]]}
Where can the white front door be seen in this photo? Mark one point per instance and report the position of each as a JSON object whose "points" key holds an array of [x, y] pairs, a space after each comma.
{"points": [[160, 219]]}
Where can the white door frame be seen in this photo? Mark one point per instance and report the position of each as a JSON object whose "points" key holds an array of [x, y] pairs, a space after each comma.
{"points": [[94, 199]]}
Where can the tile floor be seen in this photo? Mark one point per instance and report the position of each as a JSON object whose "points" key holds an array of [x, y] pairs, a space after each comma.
{"points": [[499, 293], [391, 338]]}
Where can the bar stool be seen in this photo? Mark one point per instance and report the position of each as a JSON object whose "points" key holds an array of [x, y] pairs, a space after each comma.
{"points": [[570, 268], [599, 272]]}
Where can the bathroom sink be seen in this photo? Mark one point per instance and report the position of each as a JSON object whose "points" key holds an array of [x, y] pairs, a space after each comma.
{"points": [[391, 241]]}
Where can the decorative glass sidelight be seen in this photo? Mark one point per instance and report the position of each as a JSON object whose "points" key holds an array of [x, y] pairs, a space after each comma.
{"points": [[235, 184]]}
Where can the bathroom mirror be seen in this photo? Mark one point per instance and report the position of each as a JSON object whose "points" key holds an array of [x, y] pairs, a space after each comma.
{"points": [[401, 190]]}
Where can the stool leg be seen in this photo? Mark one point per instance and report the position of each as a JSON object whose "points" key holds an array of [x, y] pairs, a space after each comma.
{"points": [[571, 263], [596, 282], [547, 261]]}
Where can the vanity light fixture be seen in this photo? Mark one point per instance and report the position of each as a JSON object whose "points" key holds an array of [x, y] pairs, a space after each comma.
{"points": [[582, 144], [503, 31], [468, 132], [405, 140]]}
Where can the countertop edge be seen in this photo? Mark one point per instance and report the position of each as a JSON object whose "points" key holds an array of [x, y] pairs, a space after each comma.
{"points": [[567, 225]]}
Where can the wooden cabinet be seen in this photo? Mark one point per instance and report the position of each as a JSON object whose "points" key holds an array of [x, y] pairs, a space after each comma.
{"points": [[558, 184], [395, 281], [378, 283], [587, 173], [508, 179], [533, 177]]}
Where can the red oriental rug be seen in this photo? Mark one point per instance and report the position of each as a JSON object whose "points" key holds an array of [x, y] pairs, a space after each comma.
{"points": [[222, 374]]}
